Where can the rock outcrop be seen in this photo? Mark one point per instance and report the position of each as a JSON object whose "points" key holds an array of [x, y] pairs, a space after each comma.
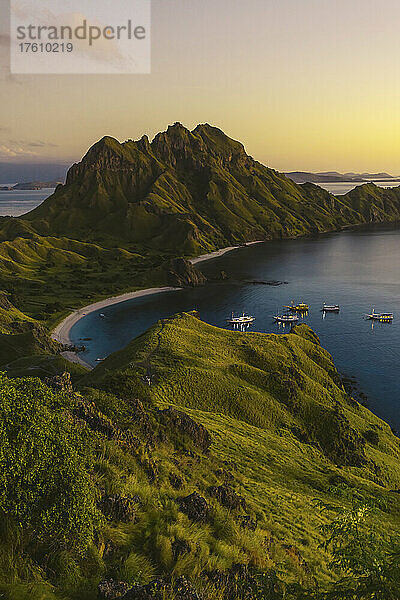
{"points": [[227, 497], [110, 589], [119, 508], [181, 424], [176, 481], [60, 383], [88, 412], [181, 273], [195, 507], [159, 589]]}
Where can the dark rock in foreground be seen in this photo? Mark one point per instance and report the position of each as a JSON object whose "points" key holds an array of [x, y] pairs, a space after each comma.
{"points": [[60, 383], [159, 589], [180, 423], [109, 589], [195, 507], [118, 508], [227, 497], [180, 547], [247, 522], [176, 481]]}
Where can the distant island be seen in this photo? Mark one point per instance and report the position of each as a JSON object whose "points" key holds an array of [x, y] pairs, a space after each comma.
{"points": [[336, 177], [30, 185]]}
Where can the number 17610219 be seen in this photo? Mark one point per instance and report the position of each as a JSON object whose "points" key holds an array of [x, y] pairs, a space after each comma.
{"points": [[45, 47]]}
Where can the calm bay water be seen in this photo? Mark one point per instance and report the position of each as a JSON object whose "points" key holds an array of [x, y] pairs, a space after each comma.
{"points": [[357, 269], [18, 202]]}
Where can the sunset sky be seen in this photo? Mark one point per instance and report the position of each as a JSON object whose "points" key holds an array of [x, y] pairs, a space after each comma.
{"points": [[304, 84]]}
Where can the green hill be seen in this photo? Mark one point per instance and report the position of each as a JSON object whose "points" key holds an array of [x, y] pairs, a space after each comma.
{"points": [[268, 381], [216, 472], [191, 192]]}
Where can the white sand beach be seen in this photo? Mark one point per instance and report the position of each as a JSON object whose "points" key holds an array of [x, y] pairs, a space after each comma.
{"points": [[221, 252], [62, 332]]}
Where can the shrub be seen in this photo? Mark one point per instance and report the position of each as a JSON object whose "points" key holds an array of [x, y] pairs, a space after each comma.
{"points": [[45, 488]]}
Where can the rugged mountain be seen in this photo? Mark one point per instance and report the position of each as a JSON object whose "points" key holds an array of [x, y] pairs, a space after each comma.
{"points": [[187, 192]]}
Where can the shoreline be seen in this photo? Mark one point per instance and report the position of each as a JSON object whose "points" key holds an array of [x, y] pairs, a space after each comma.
{"points": [[61, 333], [218, 253]]}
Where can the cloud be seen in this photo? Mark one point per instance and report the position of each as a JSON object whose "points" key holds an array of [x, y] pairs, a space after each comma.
{"points": [[35, 144], [7, 151], [20, 149], [42, 145]]}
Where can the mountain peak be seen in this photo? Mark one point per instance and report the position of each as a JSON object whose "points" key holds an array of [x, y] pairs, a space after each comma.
{"points": [[107, 141], [105, 153], [218, 142], [194, 191], [177, 126], [104, 145], [207, 128]]}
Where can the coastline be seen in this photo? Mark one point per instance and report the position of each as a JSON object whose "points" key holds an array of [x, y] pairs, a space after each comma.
{"points": [[61, 333], [218, 253]]}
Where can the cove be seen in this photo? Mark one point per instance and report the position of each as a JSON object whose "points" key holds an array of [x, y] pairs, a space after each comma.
{"points": [[357, 269]]}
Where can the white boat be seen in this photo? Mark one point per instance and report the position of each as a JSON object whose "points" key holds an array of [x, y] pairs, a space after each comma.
{"points": [[330, 307], [242, 320], [286, 318], [102, 315]]}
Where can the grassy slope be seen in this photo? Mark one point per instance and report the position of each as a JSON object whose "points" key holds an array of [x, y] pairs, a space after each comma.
{"points": [[285, 436], [26, 348], [267, 401]]}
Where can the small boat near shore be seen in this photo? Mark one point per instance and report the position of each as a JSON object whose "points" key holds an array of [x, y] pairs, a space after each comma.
{"points": [[241, 321], [381, 317], [299, 307], [330, 308], [286, 318]]}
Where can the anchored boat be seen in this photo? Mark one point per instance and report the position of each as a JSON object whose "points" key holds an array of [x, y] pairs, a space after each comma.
{"points": [[382, 317], [299, 307], [330, 307], [286, 318], [242, 321]]}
